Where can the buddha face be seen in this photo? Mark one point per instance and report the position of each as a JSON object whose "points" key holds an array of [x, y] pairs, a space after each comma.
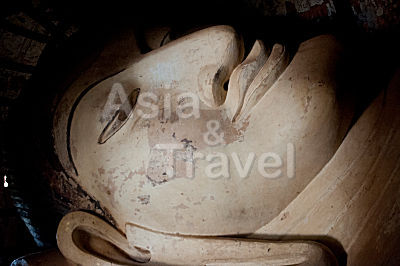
{"points": [[163, 145]]}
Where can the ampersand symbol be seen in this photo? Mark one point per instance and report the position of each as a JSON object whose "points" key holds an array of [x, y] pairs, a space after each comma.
{"points": [[213, 126]]}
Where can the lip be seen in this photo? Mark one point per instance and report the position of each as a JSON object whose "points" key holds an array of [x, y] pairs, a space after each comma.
{"points": [[253, 77]]}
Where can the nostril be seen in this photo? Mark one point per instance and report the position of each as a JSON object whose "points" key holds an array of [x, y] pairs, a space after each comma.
{"points": [[212, 87], [226, 85]]}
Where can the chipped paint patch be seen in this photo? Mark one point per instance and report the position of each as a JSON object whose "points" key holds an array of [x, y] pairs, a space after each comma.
{"points": [[144, 199]]}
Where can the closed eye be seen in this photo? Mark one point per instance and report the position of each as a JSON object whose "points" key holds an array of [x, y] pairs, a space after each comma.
{"points": [[120, 117]]}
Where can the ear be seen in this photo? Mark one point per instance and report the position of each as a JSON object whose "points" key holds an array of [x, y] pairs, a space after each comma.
{"points": [[87, 240]]}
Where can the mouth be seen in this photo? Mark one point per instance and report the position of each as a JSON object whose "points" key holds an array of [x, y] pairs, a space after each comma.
{"points": [[251, 79]]}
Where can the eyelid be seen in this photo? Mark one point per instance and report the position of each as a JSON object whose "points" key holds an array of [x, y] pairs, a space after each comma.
{"points": [[120, 117]]}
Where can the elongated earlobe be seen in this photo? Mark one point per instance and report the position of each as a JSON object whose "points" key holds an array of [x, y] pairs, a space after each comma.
{"points": [[87, 240]]}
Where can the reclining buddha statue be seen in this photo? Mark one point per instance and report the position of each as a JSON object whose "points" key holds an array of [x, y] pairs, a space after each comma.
{"points": [[202, 153]]}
